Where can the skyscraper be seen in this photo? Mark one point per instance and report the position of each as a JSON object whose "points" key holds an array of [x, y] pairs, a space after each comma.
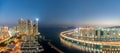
{"points": [[29, 27], [20, 24], [35, 27], [24, 27]]}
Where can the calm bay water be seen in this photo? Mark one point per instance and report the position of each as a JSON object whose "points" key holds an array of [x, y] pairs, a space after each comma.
{"points": [[53, 34]]}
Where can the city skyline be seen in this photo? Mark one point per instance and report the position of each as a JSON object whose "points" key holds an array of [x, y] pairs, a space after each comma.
{"points": [[59, 26], [61, 12]]}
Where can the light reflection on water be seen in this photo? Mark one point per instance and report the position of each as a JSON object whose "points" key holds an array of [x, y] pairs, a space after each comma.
{"points": [[54, 35], [72, 45]]}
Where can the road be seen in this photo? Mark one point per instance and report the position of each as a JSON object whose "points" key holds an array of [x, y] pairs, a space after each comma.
{"points": [[66, 34]]}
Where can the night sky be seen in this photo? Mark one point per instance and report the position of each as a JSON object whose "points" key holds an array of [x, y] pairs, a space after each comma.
{"points": [[61, 12]]}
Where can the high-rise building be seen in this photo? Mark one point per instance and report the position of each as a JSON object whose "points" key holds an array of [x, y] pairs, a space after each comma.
{"points": [[22, 27], [4, 31], [0, 30], [29, 27], [20, 22], [35, 27]]}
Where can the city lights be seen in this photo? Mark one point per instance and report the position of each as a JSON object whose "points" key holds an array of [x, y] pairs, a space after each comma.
{"points": [[37, 19], [93, 39], [28, 43]]}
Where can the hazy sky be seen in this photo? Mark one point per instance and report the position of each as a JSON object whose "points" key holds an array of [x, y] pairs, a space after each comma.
{"points": [[61, 11]]}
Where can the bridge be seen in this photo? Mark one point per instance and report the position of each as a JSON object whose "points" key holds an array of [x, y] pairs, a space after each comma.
{"points": [[89, 45]]}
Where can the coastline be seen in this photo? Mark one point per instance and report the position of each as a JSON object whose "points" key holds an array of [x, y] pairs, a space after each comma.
{"points": [[47, 42]]}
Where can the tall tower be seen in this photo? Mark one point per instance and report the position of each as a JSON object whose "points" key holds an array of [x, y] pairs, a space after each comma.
{"points": [[20, 22], [29, 27], [24, 27], [35, 27]]}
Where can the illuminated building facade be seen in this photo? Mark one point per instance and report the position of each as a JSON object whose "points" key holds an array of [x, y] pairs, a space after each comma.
{"points": [[35, 27], [5, 32], [22, 25], [28, 27], [27, 32], [102, 40], [30, 45], [101, 34], [29, 40]]}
